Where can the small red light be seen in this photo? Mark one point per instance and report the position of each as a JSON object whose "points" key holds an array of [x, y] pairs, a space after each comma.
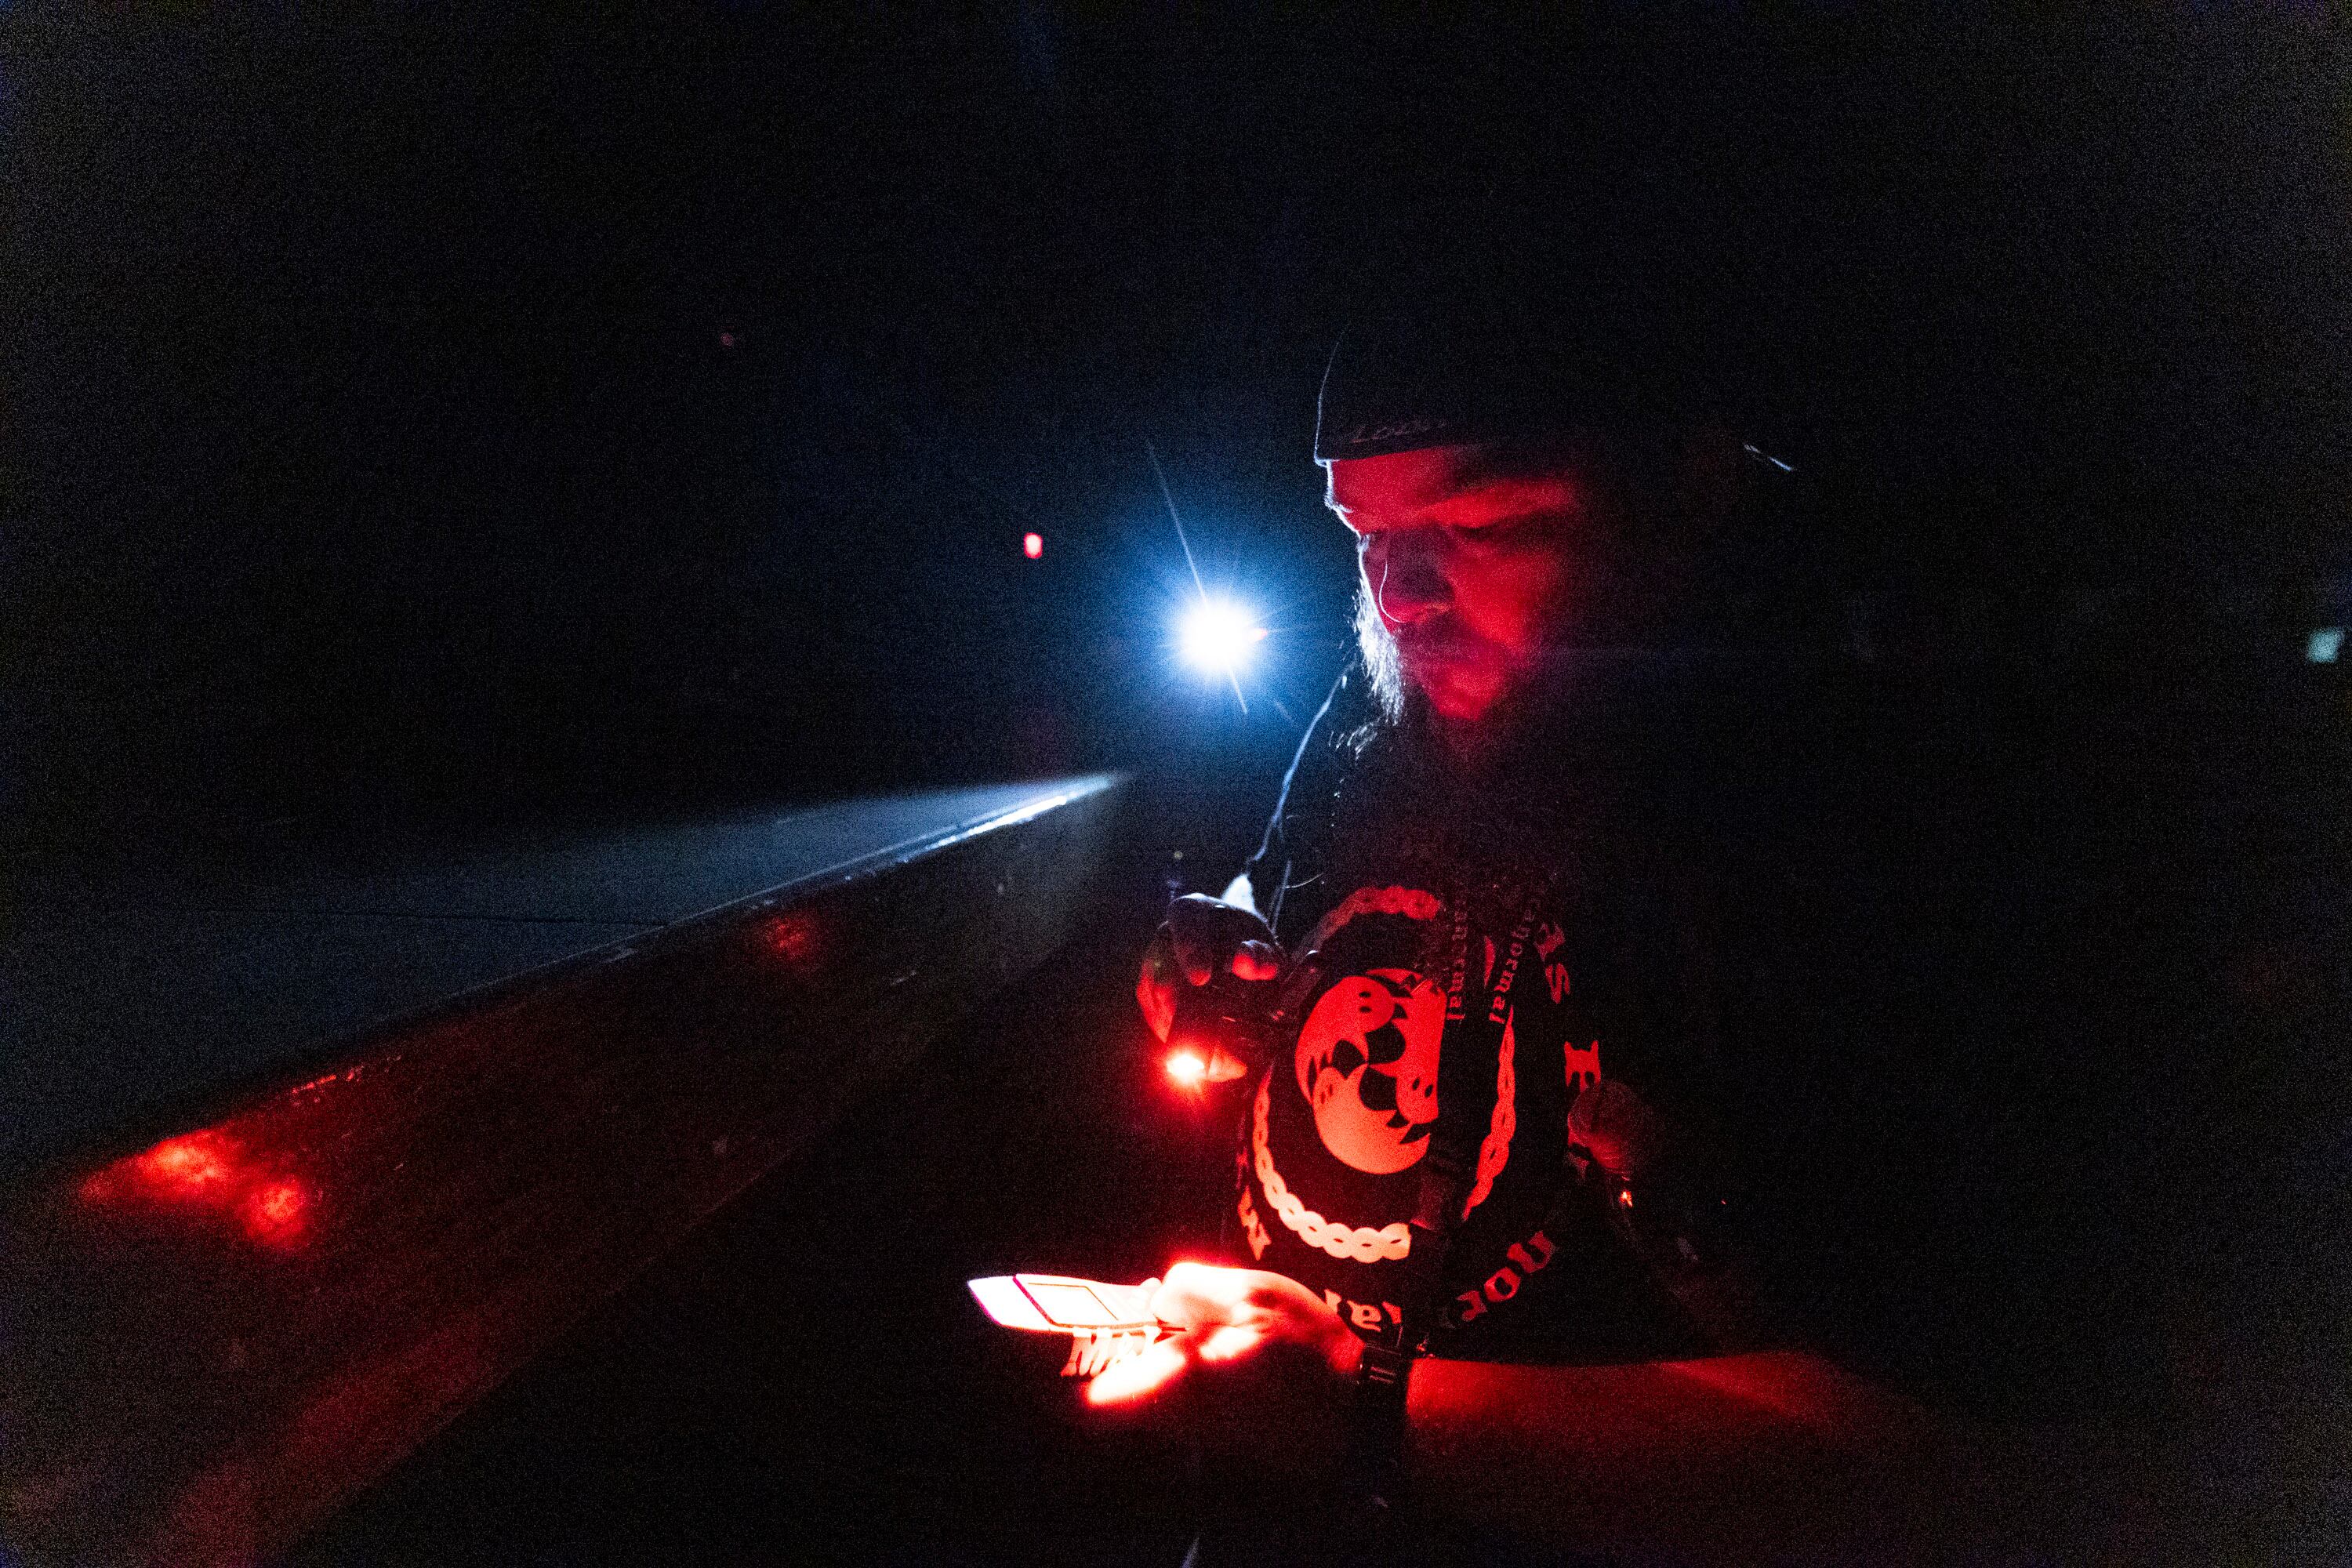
{"points": [[276, 1213], [726, 340], [1032, 545], [1187, 1067], [794, 937]]}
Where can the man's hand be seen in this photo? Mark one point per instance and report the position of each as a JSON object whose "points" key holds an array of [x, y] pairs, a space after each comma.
{"points": [[1227, 1315], [1624, 1135], [1202, 940]]}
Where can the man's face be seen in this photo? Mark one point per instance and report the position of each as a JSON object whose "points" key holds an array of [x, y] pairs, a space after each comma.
{"points": [[1470, 570]]}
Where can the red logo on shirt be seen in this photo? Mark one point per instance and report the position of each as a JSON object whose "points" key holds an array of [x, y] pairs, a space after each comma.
{"points": [[1367, 1063]]}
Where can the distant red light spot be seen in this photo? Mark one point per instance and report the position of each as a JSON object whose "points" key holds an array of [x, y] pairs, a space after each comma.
{"points": [[794, 937], [726, 340], [277, 1212], [1032, 545]]}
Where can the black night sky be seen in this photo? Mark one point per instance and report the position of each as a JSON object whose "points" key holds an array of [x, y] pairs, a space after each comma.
{"points": [[449, 411]]}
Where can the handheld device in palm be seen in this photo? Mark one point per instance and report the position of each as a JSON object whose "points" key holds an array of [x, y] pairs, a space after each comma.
{"points": [[1105, 1322]]}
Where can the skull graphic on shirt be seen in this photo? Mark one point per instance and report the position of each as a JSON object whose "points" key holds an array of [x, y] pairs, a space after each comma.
{"points": [[1367, 1063]]}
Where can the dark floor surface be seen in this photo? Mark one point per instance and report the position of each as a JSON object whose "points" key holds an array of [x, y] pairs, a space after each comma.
{"points": [[807, 1381]]}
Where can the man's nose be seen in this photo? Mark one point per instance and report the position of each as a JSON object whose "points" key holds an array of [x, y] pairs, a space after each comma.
{"points": [[1406, 572]]}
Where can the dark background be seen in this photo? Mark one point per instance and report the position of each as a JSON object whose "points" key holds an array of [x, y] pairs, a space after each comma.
{"points": [[378, 452], [376, 446]]}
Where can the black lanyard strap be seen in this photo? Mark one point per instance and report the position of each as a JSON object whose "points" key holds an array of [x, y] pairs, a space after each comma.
{"points": [[1476, 1016]]}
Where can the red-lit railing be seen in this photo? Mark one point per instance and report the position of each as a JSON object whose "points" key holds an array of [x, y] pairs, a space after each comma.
{"points": [[207, 1343]]}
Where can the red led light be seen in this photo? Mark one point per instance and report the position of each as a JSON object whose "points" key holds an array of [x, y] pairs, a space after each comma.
{"points": [[1032, 545], [277, 1213], [794, 937], [726, 340], [1187, 1067]]}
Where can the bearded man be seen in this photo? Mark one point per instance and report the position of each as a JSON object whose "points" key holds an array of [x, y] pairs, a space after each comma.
{"points": [[1465, 976]]}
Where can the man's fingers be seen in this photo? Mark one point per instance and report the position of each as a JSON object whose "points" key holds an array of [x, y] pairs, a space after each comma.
{"points": [[1157, 1000], [1175, 1301], [1192, 954], [1140, 1375], [1223, 1066], [1228, 1313], [1193, 1294], [1623, 1133], [1229, 1340], [1204, 935]]}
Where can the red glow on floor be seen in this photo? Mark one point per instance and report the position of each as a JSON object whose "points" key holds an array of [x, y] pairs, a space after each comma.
{"points": [[277, 1212], [348, 1075], [100, 1186], [194, 1166], [794, 937], [1032, 545], [213, 1173]]}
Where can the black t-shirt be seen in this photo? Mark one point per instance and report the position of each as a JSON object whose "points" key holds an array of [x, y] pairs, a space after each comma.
{"points": [[1484, 952]]}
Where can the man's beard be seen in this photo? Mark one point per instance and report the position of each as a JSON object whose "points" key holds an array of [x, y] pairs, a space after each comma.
{"points": [[1400, 704], [1459, 782], [1382, 663]]}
